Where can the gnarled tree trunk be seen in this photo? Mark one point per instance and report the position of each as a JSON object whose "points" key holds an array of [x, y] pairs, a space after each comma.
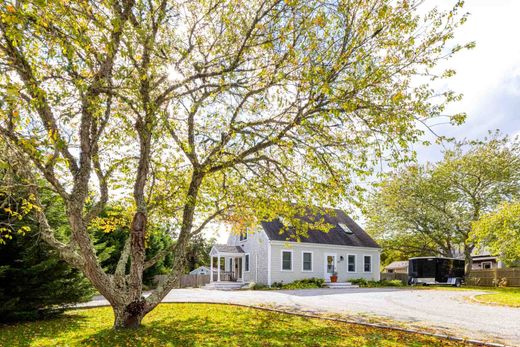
{"points": [[129, 316]]}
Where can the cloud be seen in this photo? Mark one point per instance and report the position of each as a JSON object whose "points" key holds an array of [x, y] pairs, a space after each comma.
{"points": [[488, 76]]}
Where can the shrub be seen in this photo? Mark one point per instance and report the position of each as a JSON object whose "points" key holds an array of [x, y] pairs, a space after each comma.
{"points": [[363, 282], [306, 283]]}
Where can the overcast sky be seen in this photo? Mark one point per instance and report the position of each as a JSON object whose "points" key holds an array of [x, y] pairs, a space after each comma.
{"points": [[488, 75]]}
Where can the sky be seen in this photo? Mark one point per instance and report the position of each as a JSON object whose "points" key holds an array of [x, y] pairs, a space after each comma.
{"points": [[488, 76]]}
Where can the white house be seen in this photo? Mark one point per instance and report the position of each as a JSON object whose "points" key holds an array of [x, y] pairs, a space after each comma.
{"points": [[269, 253]]}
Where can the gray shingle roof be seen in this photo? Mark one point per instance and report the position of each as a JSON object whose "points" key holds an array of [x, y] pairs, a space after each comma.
{"points": [[335, 236], [228, 249], [397, 265]]}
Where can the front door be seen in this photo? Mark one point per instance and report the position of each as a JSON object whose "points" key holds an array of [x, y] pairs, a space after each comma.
{"points": [[330, 266]]}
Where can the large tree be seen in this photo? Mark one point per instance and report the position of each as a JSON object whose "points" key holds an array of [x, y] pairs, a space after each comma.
{"points": [[499, 233], [198, 110], [429, 209]]}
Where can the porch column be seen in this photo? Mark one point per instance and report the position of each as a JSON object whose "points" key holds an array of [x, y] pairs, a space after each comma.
{"points": [[211, 268], [218, 269]]}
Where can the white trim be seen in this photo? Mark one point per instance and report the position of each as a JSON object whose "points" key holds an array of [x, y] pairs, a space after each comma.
{"points": [[312, 261], [487, 262], [281, 260], [248, 262], [268, 262], [323, 245], [371, 265], [218, 269], [355, 263]]}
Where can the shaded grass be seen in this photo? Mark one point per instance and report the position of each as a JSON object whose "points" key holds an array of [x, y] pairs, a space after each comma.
{"points": [[206, 325]]}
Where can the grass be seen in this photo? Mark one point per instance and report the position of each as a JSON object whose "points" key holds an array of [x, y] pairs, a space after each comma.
{"points": [[504, 296], [501, 296], [205, 325]]}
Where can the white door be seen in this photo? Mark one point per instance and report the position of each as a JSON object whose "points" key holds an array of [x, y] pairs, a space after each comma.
{"points": [[330, 265]]}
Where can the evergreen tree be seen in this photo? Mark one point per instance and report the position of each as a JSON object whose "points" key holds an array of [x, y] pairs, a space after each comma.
{"points": [[34, 282]]}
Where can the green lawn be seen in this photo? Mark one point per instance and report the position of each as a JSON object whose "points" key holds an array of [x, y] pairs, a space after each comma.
{"points": [[205, 325], [508, 296], [501, 296]]}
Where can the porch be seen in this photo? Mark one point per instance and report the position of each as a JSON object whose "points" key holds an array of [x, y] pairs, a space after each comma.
{"points": [[229, 264]]}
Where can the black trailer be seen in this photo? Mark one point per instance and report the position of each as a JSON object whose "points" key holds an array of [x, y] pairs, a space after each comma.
{"points": [[435, 270]]}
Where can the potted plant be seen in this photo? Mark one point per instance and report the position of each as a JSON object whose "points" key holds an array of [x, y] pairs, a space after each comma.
{"points": [[334, 277]]}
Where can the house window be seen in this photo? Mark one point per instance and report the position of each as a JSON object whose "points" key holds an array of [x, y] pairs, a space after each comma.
{"points": [[243, 236], [351, 263], [287, 260], [345, 228], [486, 265], [307, 261], [367, 263], [246, 265], [230, 264]]}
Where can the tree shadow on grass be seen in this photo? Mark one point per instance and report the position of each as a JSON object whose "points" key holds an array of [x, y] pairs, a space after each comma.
{"points": [[238, 329], [25, 333]]}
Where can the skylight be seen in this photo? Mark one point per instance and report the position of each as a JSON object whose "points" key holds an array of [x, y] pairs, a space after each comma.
{"points": [[345, 228]]}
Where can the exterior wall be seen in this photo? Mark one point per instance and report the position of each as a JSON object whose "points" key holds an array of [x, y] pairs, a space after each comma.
{"points": [[256, 245], [400, 270], [478, 264], [319, 252]]}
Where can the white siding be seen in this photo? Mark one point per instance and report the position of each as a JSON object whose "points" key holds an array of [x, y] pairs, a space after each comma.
{"points": [[318, 261], [256, 245]]}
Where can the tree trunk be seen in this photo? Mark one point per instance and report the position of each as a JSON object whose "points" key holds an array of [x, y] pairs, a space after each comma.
{"points": [[468, 261], [129, 316]]}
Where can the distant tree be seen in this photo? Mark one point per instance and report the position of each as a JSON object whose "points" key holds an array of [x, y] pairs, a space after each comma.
{"points": [[429, 209], [499, 233], [109, 234], [198, 252], [186, 111]]}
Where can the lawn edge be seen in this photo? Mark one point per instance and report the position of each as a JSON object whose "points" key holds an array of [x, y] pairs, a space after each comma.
{"points": [[478, 301], [341, 320]]}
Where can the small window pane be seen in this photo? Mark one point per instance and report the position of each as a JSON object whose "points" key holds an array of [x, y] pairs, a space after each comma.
{"points": [[307, 261], [368, 263], [247, 262], [351, 263], [330, 264], [286, 261]]}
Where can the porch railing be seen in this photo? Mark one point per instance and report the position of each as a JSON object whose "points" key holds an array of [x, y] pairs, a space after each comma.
{"points": [[227, 276]]}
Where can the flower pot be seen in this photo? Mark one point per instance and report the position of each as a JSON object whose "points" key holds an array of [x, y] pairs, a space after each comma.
{"points": [[333, 278]]}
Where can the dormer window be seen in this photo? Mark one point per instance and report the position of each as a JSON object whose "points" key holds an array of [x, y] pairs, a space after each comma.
{"points": [[243, 236], [345, 228]]}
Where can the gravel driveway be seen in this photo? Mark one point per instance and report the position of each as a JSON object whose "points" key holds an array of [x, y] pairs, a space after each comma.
{"points": [[444, 310]]}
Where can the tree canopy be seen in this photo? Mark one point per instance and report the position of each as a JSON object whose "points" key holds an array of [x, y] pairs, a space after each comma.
{"points": [[499, 232], [203, 110], [429, 209]]}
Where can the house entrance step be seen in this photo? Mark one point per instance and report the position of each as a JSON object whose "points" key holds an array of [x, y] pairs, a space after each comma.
{"points": [[224, 285], [340, 285]]}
